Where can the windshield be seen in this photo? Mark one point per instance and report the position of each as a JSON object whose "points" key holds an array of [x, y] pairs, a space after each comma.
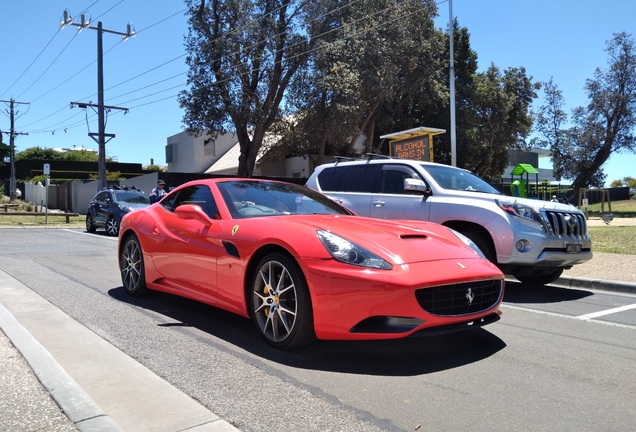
{"points": [[453, 178], [247, 199], [132, 197]]}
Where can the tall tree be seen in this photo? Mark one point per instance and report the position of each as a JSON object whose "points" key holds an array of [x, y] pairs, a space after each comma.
{"points": [[492, 110], [431, 111], [242, 55], [606, 125], [501, 104], [369, 57]]}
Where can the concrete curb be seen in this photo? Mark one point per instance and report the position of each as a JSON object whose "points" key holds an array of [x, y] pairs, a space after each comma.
{"points": [[78, 406], [595, 284]]}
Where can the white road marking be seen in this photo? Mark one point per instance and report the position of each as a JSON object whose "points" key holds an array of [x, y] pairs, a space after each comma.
{"points": [[90, 234], [607, 312], [572, 317]]}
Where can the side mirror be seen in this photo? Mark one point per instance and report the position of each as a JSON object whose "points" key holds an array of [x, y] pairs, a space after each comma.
{"points": [[190, 211], [417, 185]]}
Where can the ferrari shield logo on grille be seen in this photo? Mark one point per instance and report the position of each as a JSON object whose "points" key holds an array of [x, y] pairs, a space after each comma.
{"points": [[470, 296]]}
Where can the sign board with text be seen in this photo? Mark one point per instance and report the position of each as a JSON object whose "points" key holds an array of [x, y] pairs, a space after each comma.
{"points": [[418, 148]]}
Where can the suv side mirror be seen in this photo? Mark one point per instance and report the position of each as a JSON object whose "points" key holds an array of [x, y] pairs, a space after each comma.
{"points": [[417, 185]]}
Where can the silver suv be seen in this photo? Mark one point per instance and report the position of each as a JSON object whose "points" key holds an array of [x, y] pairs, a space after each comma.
{"points": [[532, 240]]}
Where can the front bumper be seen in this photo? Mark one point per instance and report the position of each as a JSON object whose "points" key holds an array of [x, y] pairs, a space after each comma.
{"points": [[355, 303]]}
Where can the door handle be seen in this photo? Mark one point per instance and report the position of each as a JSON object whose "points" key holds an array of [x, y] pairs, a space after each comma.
{"points": [[378, 203]]}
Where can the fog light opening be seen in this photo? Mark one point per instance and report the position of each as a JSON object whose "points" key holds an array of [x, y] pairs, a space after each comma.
{"points": [[523, 245]]}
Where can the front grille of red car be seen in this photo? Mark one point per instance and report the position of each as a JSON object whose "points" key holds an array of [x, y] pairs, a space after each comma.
{"points": [[460, 299]]}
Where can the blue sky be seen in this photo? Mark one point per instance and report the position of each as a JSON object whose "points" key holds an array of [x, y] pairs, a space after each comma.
{"points": [[563, 39]]}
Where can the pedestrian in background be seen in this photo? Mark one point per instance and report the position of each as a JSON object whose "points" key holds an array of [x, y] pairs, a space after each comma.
{"points": [[158, 192]]}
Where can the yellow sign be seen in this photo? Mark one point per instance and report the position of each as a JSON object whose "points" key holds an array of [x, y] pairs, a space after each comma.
{"points": [[416, 144], [416, 149]]}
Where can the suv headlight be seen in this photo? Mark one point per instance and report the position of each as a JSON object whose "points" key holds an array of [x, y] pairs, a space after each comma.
{"points": [[521, 210], [350, 253]]}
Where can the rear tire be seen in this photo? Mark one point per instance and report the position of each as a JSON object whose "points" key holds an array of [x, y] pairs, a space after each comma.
{"points": [[131, 265], [281, 303], [539, 279], [112, 227]]}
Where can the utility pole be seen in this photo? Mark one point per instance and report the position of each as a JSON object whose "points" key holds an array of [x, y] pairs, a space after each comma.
{"points": [[451, 32], [12, 135], [101, 134]]}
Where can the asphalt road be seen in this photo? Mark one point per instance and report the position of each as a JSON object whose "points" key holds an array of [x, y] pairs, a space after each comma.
{"points": [[559, 359]]}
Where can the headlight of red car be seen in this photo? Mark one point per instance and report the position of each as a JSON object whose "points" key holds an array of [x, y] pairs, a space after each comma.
{"points": [[350, 253]]}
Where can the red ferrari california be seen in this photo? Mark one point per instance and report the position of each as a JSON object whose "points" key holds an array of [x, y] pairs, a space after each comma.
{"points": [[304, 267]]}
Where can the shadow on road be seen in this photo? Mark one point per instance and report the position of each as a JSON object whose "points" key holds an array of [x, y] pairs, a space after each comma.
{"points": [[402, 357], [518, 293]]}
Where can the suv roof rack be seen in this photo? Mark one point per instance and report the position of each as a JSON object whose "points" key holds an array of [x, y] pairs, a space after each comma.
{"points": [[370, 156], [343, 158], [126, 188]]}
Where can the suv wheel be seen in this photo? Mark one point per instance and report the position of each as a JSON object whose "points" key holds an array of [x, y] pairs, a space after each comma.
{"points": [[112, 227], [90, 226], [539, 279], [479, 241]]}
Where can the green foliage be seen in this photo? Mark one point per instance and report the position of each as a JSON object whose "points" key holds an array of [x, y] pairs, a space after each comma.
{"points": [[501, 104], [80, 156], [115, 175], [362, 66], [42, 179], [630, 182], [38, 153], [153, 168]]}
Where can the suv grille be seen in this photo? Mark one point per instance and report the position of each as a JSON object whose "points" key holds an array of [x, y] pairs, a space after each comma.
{"points": [[454, 299], [566, 224]]}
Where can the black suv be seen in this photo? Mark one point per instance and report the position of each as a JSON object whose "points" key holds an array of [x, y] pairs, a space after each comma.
{"points": [[110, 205]]}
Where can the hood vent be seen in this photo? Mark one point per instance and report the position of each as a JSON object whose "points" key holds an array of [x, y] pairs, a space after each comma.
{"points": [[413, 237]]}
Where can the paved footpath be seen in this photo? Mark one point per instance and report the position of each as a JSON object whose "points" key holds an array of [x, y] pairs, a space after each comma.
{"points": [[94, 384]]}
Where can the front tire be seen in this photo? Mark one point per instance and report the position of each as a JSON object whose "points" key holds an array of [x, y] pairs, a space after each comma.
{"points": [[112, 227], [90, 225], [539, 279], [131, 265], [281, 303], [479, 241]]}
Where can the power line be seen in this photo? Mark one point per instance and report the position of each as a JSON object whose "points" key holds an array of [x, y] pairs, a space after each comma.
{"points": [[31, 64], [38, 56], [251, 71], [91, 63]]}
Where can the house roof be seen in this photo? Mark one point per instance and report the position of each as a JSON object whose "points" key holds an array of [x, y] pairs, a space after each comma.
{"points": [[230, 160]]}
